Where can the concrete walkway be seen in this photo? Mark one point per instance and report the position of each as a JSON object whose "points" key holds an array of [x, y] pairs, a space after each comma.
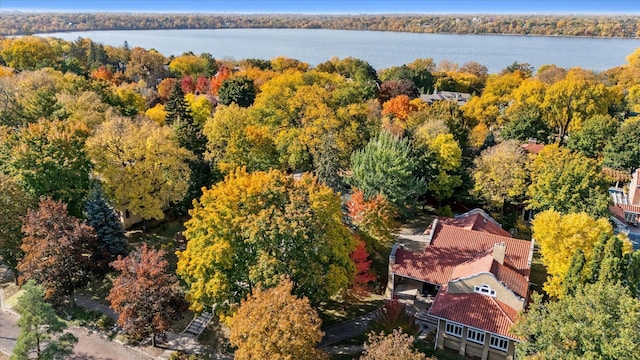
{"points": [[347, 329]]}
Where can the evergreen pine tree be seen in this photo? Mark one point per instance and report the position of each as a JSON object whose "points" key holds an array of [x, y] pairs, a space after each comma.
{"points": [[177, 107], [190, 137], [326, 165], [104, 219], [41, 330]]}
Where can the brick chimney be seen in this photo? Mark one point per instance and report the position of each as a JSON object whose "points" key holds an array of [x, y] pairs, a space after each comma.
{"points": [[499, 250]]}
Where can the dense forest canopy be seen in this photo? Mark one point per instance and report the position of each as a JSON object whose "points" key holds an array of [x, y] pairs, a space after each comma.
{"points": [[625, 26]]}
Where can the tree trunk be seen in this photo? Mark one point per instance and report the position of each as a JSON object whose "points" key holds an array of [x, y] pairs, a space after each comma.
{"points": [[153, 340], [15, 275], [72, 299]]}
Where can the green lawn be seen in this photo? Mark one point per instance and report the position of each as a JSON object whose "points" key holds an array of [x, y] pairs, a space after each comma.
{"points": [[339, 310]]}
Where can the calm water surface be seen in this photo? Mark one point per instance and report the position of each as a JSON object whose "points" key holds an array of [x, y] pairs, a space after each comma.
{"points": [[380, 49]]}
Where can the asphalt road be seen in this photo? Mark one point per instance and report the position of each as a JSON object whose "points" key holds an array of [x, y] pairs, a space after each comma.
{"points": [[8, 331], [90, 345]]}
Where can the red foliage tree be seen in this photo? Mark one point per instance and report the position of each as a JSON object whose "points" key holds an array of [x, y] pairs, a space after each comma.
{"points": [[202, 85], [145, 295], [57, 249], [216, 81], [364, 276], [187, 85]]}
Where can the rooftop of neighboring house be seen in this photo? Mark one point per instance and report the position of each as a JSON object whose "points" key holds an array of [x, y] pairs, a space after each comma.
{"points": [[460, 98], [532, 146]]}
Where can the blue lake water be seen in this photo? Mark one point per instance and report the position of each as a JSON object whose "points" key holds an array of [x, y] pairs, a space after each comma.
{"points": [[380, 49]]}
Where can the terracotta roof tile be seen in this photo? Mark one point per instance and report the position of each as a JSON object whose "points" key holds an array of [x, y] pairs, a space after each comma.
{"points": [[476, 222], [629, 208], [511, 279], [452, 246], [475, 310], [618, 213], [533, 148]]}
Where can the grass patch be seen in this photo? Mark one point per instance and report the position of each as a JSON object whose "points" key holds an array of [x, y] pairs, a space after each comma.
{"points": [[338, 310], [98, 288], [12, 301], [83, 317], [538, 271]]}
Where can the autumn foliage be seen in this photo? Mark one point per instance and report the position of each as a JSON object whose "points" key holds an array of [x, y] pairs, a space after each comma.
{"points": [[216, 81], [273, 324], [254, 227], [57, 249], [145, 295], [394, 346], [364, 275], [376, 216]]}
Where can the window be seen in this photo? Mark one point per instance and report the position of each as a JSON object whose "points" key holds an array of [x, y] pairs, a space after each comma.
{"points": [[453, 329], [484, 290], [499, 343], [475, 336]]}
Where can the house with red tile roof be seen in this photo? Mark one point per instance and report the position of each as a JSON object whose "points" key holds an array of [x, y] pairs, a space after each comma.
{"points": [[479, 274], [627, 203], [533, 147], [625, 211]]}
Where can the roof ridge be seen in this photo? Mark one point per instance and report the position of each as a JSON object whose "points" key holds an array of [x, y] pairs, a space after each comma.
{"points": [[501, 309]]}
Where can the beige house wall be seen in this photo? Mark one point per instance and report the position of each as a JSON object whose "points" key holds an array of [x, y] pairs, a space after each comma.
{"points": [[468, 348], [503, 293]]}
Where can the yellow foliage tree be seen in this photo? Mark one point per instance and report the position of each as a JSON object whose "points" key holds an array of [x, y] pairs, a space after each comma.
{"points": [[254, 227], [273, 324], [140, 165], [559, 236], [572, 100], [495, 98], [189, 65], [234, 140], [157, 114], [200, 107]]}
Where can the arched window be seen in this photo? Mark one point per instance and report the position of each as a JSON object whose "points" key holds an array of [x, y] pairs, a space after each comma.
{"points": [[484, 289]]}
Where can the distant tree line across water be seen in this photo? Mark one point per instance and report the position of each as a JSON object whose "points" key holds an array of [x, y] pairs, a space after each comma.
{"points": [[620, 26]]}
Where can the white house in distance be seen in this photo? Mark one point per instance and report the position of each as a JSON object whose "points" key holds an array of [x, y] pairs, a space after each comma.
{"points": [[478, 279]]}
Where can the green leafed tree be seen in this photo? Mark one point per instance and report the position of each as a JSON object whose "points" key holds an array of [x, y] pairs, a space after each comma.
{"points": [[385, 166], [254, 227], [525, 122], [623, 150], [237, 89], [41, 331], [599, 322], [14, 203], [567, 182], [500, 174], [49, 159], [596, 132]]}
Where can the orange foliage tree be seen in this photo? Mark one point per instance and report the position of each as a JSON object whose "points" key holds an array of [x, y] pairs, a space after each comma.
{"points": [[216, 81], [273, 324], [375, 217]]}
